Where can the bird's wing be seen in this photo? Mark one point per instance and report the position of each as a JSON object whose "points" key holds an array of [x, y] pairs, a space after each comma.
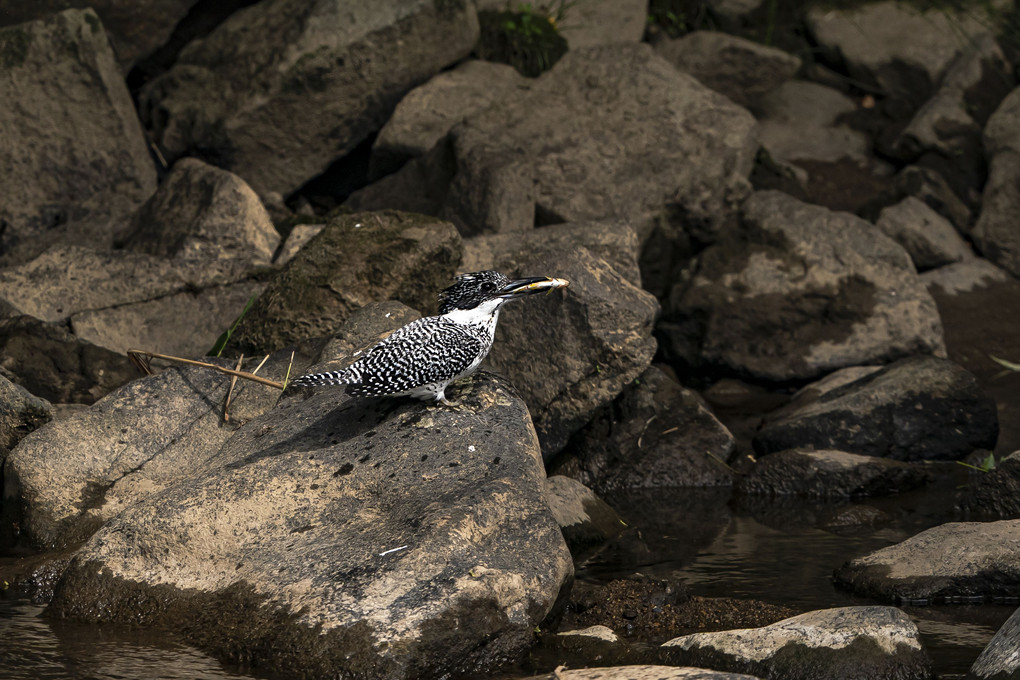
{"points": [[425, 351]]}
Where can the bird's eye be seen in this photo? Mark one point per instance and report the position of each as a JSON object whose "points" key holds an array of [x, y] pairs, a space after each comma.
{"points": [[488, 286]]}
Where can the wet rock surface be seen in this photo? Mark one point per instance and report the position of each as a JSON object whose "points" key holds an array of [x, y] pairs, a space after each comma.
{"points": [[999, 659], [959, 561], [297, 522], [826, 473], [922, 408], [844, 642]]}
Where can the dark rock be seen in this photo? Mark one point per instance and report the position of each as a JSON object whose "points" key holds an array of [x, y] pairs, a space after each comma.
{"points": [[50, 362], [897, 49], [799, 291], [999, 660], [851, 642], [426, 113], [740, 69], [573, 351], [21, 412], [959, 561], [277, 92], [828, 474], [931, 239], [374, 538], [638, 140], [355, 260], [136, 28], [586, 520], [946, 131], [995, 233], [202, 212], [76, 161], [920, 408], [996, 492], [641, 672], [68, 478], [656, 434], [854, 519], [615, 243], [931, 186]]}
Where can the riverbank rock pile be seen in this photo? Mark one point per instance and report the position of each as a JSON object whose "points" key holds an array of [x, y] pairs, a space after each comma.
{"points": [[779, 256]]}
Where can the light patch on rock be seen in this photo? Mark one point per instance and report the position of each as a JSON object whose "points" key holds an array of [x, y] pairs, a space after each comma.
{"points": [[599, 632]]}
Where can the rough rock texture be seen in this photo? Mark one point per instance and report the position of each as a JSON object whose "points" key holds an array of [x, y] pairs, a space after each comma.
{"points": [[426, 113], [964, 277], [356, 259], [74, 160], [20, 413], [798, 292], [643, 672], [920, 408], [1000, 660], [830, 474], [895, 47], [642, 135], [614, 242], [945, 133], [299, 235], [67, 479], [656, 434], [996, 492], [931, 239], [136, 27], [51, 363], [572, 351], [598, 22], [995, 233], [859, 642], [965, 560], [740, 69], [383, 539], [185, 324], [929, 185], [586, 520], [799, 121], [202, 212], [283, 88]]}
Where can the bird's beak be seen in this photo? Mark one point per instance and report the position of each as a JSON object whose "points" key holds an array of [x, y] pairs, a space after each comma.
{"points": [[538, 284]]}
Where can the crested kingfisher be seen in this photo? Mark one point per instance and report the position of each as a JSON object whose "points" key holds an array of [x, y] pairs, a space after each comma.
{"points": [[422, 358]]}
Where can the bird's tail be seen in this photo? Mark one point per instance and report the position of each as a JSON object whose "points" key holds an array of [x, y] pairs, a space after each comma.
{"points": [[322, 379]]}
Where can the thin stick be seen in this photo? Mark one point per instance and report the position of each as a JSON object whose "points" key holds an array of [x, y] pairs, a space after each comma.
{"points": [[141, 359], [261, 364], [230, 392], [286, 378]]}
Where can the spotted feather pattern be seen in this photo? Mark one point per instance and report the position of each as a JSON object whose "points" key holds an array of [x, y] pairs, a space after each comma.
{"points": [[430, 351]]}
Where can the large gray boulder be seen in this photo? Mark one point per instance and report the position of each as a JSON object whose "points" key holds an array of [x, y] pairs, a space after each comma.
{"points": [[955, 562], [137, 28], [572, 352], [74, 160], [829, 474], [373, 539], [67, 479], [901, 50], [920, 408], [641, 135], [740, 69], [798, 292], [356, 259], [202, 212], [859, 642], [656, 434], [995, 233], [930, 238], [426, 113], [999, 660], [283, 88]]}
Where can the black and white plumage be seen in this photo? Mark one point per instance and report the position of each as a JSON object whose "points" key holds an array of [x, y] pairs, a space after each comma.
{"points": [[420, 359]]}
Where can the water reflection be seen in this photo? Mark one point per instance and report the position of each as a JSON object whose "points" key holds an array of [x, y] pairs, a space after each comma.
{"points": [[35, 648]]}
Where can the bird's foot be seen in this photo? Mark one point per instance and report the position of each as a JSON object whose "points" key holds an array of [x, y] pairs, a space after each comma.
{"points": [[446, 402]]}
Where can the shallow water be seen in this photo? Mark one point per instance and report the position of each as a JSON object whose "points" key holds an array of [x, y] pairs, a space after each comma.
{"points": [[780, 552]]}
